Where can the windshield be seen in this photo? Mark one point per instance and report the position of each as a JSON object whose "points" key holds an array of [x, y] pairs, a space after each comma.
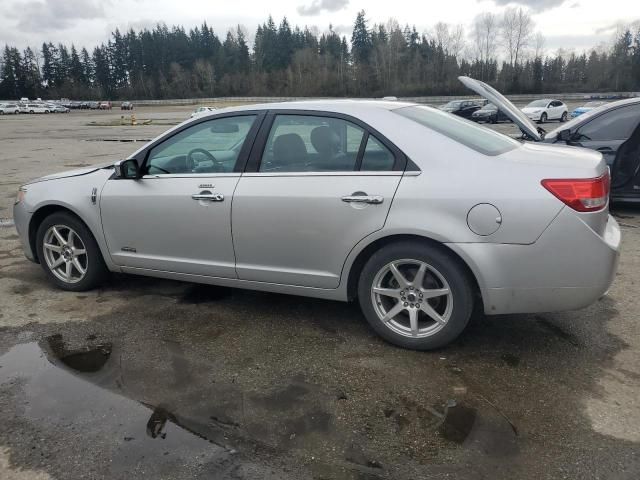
{"points": [[538, 103], [480, 139]]}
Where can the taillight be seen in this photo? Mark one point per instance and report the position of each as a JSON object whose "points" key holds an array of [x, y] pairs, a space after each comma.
{"points": [[581, 194]]}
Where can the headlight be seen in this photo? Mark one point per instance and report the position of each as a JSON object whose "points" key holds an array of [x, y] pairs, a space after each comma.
{"points": [[22, 191]]}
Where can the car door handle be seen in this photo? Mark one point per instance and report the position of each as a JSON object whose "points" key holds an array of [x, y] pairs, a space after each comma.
{"points": [[373, 199], [210, 197]]}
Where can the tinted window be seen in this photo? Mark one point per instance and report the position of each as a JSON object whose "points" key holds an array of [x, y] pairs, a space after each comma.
{"points": [[377, 157], [481, 139], [617, 124], [305, 143], [208, 147]]}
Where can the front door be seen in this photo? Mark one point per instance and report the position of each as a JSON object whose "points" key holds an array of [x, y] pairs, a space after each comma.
{"points": [[319, 186], [177, 217]]}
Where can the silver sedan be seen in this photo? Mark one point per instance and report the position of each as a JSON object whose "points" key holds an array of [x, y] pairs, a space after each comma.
{"points": [[421, 216]]}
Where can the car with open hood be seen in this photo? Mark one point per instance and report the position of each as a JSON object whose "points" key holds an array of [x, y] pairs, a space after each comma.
{"points": [[612, 129], [421, 216]]}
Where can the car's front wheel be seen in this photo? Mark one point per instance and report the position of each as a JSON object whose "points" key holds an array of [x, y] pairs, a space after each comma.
{"points": [[69, 254], [415, 296], [543, 118]]}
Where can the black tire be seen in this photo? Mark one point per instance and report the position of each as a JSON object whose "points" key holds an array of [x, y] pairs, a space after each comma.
{"points": [[543, 118], [96, 270], [563, 118], [449, 267], [494, 120]]}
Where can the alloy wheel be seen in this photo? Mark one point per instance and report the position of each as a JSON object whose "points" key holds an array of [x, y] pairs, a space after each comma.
{"points": [[412, 298], [65, 253]]}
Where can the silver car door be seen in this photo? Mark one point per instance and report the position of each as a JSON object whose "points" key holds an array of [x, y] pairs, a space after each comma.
{"points": [[321, 184], [177, 217]]}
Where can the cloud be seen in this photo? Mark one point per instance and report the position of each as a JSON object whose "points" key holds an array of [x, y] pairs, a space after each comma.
{"points": [[51, 15], [535, 5], [318, 6]]}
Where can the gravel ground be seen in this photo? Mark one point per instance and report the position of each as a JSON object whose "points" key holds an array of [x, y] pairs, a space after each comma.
{"points": [[147, 378]]}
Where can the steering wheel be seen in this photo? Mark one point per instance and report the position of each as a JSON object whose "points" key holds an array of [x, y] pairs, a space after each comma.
{"points": [[192, 163]]}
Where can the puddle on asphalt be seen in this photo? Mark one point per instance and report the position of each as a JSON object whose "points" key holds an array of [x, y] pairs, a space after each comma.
{"points": [[94, 390]]}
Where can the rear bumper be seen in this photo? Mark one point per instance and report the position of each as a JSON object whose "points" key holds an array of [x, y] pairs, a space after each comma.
{"points": [[569, 267]]}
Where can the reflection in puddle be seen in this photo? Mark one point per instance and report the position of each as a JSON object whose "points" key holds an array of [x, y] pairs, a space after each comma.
{"points": [[172, 400], [89, 359]]}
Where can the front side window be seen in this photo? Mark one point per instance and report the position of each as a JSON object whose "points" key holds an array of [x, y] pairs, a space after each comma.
{"points": [[480, 139], [618, 124], [208, 147], [307, 143]]}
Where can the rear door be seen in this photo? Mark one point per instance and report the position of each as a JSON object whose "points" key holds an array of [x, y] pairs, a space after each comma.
{"points": [[316, 185]]}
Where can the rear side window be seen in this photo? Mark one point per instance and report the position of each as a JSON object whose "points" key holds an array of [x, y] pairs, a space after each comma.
{"points": [[480, 139], [377, 157], [617, 124], [307, 143]]}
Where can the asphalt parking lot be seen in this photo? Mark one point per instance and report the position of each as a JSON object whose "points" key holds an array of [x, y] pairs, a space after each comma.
{"points": [[146, 378]]}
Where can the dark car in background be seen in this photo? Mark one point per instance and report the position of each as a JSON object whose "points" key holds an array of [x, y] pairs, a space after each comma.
{"points": [[462, 108], [489, 114], [612, 129], [126, 106]]}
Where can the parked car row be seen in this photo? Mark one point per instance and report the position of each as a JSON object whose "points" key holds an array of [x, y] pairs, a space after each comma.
{"points": [[64, 106], [33, 107]]}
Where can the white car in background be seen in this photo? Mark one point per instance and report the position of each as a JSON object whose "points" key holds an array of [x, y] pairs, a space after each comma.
{"points": [[546, 109], [9, 108], [34, 108], [201, 110]]}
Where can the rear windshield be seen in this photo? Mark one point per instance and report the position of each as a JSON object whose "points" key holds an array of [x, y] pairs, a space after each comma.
{"points": [[480, 139]]}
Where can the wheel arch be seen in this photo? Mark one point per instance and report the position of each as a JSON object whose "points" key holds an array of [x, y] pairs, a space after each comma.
{"points": [[361, 259], [43, 212]]}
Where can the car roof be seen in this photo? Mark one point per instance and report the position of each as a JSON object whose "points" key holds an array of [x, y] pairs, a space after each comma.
{"points": [[345, 106]]}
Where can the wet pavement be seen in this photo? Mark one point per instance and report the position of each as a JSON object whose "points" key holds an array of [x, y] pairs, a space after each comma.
{"points": [[147, 378]]}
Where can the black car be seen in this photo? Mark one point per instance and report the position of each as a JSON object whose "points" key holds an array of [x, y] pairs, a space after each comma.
{"points": [[612, 129], [489, 114], [462, 108]]}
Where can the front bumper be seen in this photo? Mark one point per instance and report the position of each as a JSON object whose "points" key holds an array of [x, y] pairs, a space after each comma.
{"points": [[569, 267], [534, 116], [21, 218]]}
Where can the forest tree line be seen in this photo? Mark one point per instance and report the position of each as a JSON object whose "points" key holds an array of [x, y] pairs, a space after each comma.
{"points": [[378, 60]]}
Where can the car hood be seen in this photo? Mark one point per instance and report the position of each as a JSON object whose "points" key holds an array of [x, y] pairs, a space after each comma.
{"points": [[71, 173], [532, 109], [508, 108]]}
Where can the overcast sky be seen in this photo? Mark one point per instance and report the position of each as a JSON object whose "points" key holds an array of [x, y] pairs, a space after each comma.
{"points": [[571, 24]]}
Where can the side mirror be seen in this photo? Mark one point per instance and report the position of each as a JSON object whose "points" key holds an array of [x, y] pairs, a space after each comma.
{"points": [[127, 169], [564, 135]]}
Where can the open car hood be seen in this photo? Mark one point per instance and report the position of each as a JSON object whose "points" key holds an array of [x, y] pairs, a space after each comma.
{"points": [[508, 108]]}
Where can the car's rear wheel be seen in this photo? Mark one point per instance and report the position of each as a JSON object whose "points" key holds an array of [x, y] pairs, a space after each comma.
{"points": [[415, 296], [69, 254], [543, 118], [563, 118]]}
